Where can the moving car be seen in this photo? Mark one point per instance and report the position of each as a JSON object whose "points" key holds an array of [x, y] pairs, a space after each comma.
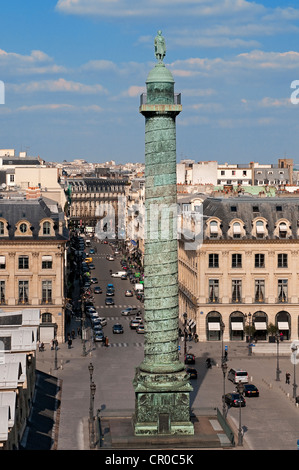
{"points": [[189, 359], [110, 258], [109, 292], [117, 328], [129, 311], [192, 373], [134, 323], [91, 251], [129, 293], [109, 301], [124, 277], [251, 390], [140, 328], [234, 399]]}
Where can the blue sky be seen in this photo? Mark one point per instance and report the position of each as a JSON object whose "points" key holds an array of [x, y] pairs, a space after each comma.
{"points": [[74, 70]]}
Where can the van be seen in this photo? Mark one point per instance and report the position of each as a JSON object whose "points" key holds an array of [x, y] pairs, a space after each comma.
{"points": [[139, 287], [238, 375], [118, 274]]}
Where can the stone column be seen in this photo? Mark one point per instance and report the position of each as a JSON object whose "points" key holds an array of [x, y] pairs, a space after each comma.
{"points": [[161, 384]]}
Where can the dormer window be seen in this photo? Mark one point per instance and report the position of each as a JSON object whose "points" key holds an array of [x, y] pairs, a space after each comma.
{"points": [[236, 230], [213, 229], [260, 229], [46, 228], [282, 230], [23, 228]]}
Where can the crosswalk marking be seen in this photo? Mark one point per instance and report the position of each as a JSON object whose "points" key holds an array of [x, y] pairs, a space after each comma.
{"points": [[124, 345]]}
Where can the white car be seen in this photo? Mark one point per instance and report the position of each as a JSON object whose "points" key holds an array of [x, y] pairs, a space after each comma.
{"points": [[129, 293], [129, 311], [110, 258]]}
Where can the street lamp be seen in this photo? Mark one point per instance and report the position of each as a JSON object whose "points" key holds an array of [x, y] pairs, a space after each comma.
{"points": [[294, 351], [90, 368], [91, 413], [277, 360], [185, 333], [240, 389], [249, 331], [224, 370]]}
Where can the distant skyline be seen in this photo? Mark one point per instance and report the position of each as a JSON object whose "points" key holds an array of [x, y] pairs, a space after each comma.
{"points": [[73, 71]]}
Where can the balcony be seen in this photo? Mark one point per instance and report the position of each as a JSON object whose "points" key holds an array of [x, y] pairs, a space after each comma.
{"points": [[177, 98], [214, 300], [47, 301]]}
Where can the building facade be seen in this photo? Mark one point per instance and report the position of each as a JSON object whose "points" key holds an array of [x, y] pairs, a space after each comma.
{"points": [[33, 262], [244, 275]]}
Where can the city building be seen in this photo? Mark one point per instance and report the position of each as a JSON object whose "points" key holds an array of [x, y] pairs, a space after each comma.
{"points": [[33, 261], [242, 273]]}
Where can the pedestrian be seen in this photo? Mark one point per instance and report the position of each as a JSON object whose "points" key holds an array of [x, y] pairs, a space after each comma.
{"points": [[106, 341], [69, 343], [73, 334], [288, 375], [40, 346]]}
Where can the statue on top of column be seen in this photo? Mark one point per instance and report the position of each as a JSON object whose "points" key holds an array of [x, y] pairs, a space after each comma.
{"points": [[160, 47]]}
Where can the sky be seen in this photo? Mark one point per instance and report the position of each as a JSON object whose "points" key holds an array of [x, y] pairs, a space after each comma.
{"points": [[73, 72]]}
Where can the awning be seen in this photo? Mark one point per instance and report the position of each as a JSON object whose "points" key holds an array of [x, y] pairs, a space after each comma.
{"points": [[283, 325], [260, 325], [260, 229], [2, 259], [46, 258], [237, 325], [214, 326], [191, 323]]}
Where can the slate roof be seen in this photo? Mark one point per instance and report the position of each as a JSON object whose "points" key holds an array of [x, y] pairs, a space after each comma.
{"points": [[244, 208], [34, 210]]}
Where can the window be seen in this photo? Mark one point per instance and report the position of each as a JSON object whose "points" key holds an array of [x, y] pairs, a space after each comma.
{"points": [[222, 172], [47, 262], [236, 290], [282, 230], [11, 178], [213, 260], [237, 230], [233, 208], [236, 260], [282, 260], [282, 290], [255, 208], [1, 228], [278, 208], [259, 260], [244, 173], [23, 292], [2, 262], [23, 262], [213, 229], [23, 228], [2, 292], [46, 228], [259, 290], [260, 229], [213, 290], [46, 292]]}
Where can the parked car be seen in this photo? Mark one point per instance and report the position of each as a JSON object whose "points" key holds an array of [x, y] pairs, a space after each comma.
{"points": [[140, 328], [235, 399], [94, 280], [251, 390], [90, 311], [99, 336], [129, 293], [102, 321], [117, 328], [91, 266], [109, 301], [97, 329], [97, 290], [189, 359], [129, 311], [192, 373]]}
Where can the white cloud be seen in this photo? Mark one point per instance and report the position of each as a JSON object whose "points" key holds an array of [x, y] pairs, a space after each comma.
{"points": [[58, 107], [60, 85], [38, 62]]}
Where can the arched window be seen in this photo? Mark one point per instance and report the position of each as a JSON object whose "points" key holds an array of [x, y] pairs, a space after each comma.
{"points": [[46, 228]]}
